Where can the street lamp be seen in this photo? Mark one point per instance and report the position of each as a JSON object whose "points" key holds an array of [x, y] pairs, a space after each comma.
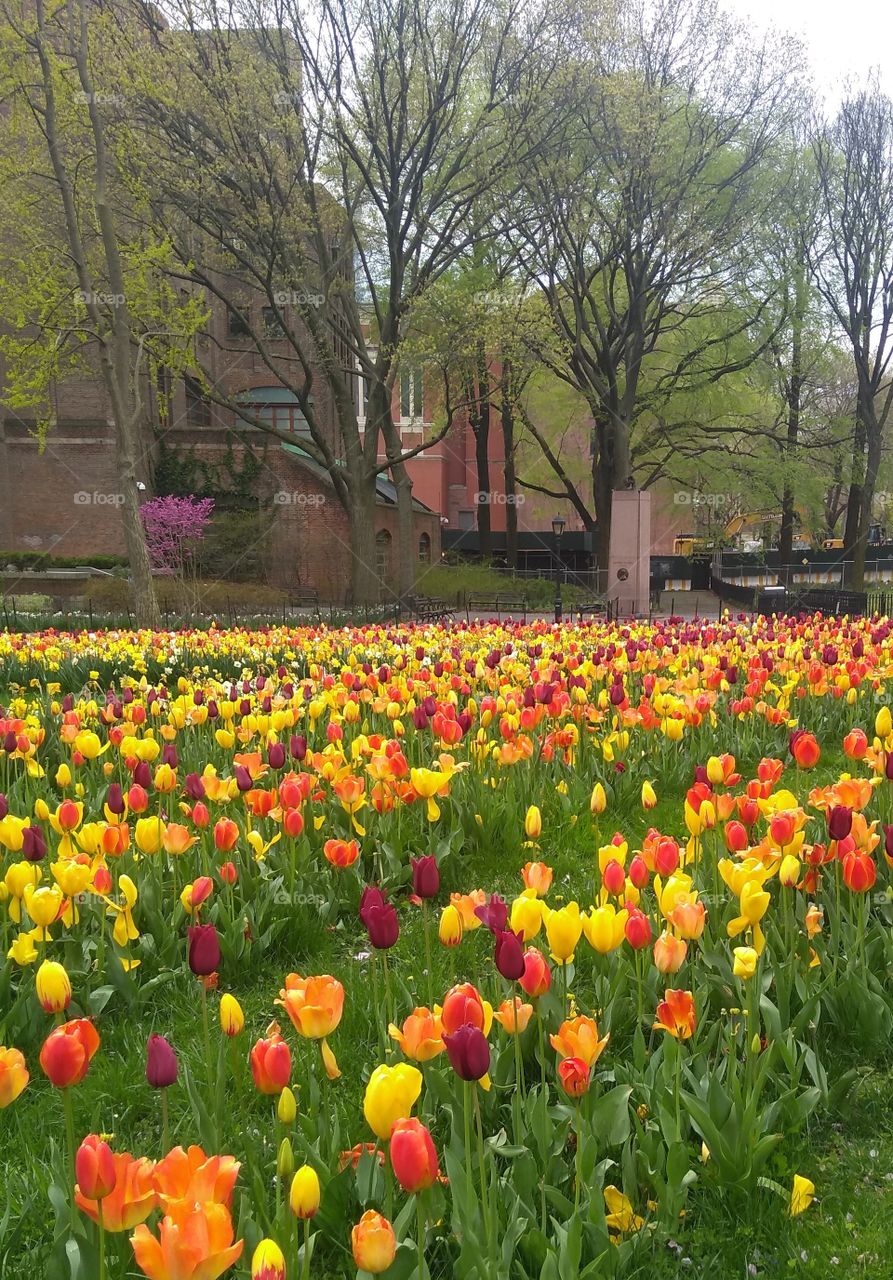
{"points": [[557, 531]]}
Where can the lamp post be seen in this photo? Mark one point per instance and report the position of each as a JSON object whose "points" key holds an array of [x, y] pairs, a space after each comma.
{"points": [[557, 531]]}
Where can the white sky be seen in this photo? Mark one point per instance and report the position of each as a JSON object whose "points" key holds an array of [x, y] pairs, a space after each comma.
{"points": [[842, 39]]}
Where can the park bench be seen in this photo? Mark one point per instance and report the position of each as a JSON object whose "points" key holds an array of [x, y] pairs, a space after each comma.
{"points": [[426, 608], [478, 604], [305, 598], [597, 608]]}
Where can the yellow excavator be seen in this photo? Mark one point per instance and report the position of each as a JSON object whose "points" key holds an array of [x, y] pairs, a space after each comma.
{"points": [[736, 532]]}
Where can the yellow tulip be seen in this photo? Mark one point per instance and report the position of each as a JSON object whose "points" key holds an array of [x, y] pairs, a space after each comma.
{"points": [[598, 801], [286, 1107], [649, 796], [563, 929], [527, 915], [232, 1019], [533, 823], [53, 987], [745, 965], [803, 1191], [391, 1094], [148, 833], [304, 1197], [604, 928], [883, 723], [450, 930]]}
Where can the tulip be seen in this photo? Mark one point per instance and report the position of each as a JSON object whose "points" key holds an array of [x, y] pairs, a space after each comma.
{"points": [[285, 1159], [226, 833], [420, 1038], [161, 1063], [649, 796], [666, 857], [604, 928], [463, 1004], [314, 1005], [537, 976], [598, 801], [94, 1168], [267, 1262], [840, 822], [563, 929], [803, 1191], [340, 853], [789, 871], [232, 1019], [132, 1198], [513, 1015], [614, 877], [669, 953], [527, 914], [425, 877], [373, 1243], [204, 949], [286, 1107], [533, 823], [382, 925], [574, 1075], [745, 964], [390, 1095], [883, 723], [195, 1176], [805, 749], [855, 744], [676, 1014], [194, 1239], [14, 1075], [859, 871], [53, 987], [578, 1038], [537, 877], [450, 930], [637, 930], [509, 955], [736, 836], [638, 871], [304, 1197], [271, 1062], [493, 913], [413, 1157], [67, 1052], [468, 1052]]}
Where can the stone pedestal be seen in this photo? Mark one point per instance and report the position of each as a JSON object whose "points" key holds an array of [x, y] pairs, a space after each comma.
{"points": [[629, 552]]}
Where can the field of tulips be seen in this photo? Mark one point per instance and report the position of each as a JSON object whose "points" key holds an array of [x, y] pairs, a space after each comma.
{"points": [[480, 952]]}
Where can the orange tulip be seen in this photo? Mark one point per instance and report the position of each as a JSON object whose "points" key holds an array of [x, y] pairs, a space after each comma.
{"points": [[805, 750], [194, 1176], [514, 1015], [538, 877], [462, 1004], [465, 904], [373, 1242], [676, 1014], [315, 1005], [132, 1198], [226, 833], [67, 1051], [420, 1038], [578, 1038], [195, 1243], [669, 953], [341, 853], [94, 1168]]}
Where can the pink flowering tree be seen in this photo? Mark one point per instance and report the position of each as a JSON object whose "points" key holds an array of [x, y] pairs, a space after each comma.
{"points": [[174, 528]]}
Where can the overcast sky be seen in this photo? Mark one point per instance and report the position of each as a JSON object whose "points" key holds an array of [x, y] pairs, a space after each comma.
{"points": [[842, 39]]}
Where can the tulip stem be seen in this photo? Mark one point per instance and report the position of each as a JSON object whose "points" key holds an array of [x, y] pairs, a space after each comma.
{"points": [[206, 1031], [101, 1222], [69, 1138], [165, 1124], [427, 929], [373, 964], [485, 1197], [469, 1184], [420, 1228], [305, 1261], [579, 1159]]}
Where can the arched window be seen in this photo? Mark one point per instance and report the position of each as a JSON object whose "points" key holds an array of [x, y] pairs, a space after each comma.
{"points": [[383, 556], [425, 548]]}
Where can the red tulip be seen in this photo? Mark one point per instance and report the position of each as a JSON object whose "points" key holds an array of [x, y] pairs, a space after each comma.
{"points": [[67, 1051], [574, 1076], [94, 1167], [413, 1157]]}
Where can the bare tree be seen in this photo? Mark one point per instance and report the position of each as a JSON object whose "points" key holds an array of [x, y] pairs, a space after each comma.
{"points": [[854, 268]]}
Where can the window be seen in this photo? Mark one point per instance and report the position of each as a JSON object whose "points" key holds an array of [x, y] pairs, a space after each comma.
{"points": [[198, 407], [278, 407], [273, 326], [383, 556], [239, 322], [411, 390], [424, 549]]}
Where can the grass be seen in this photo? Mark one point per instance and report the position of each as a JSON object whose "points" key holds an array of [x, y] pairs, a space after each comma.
{"points": [[848, 1152]]}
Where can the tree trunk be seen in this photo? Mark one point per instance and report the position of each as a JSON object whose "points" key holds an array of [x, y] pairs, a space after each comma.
{"points": [[366, 584], [510, 480], [872, 466], [794, 398], [602, 497], [854, 509]]}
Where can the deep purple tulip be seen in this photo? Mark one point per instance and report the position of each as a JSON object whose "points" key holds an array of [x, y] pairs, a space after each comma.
{"points": [[297, 747], [204, 949], [468, 1052], [243, 778], [68, 702], [169, 755], [419, 718], [382, 925], [888, 766], [213, 710], [509, 955], [198, 697], [10, 742], [276, 755], [888, 841], [194, 787], [34, 846], [372, 896], [425, 876], [161, 1063], [114, 800], [701, 774], [142, 775], [840, 822], [493, 914], [4, 807]]}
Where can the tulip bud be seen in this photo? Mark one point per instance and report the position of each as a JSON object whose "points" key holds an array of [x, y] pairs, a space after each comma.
{"points": [[276, 755], [649, 796], [53, 988], [537, 976], [94, 1167], [232, 1019], [161, 1063], [509, 955], [614, 877], [666, 857], [304, 1196], [598, 801], [638, 930], [533, 823], [425, 877], [450, 930], [669, 953], [638, 871], [285, 1160], [286, 1107], [412, 1154], [114, 800], [34, 846], [840, 822], [268, 1262], [468, 1052], [789, 871]]}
